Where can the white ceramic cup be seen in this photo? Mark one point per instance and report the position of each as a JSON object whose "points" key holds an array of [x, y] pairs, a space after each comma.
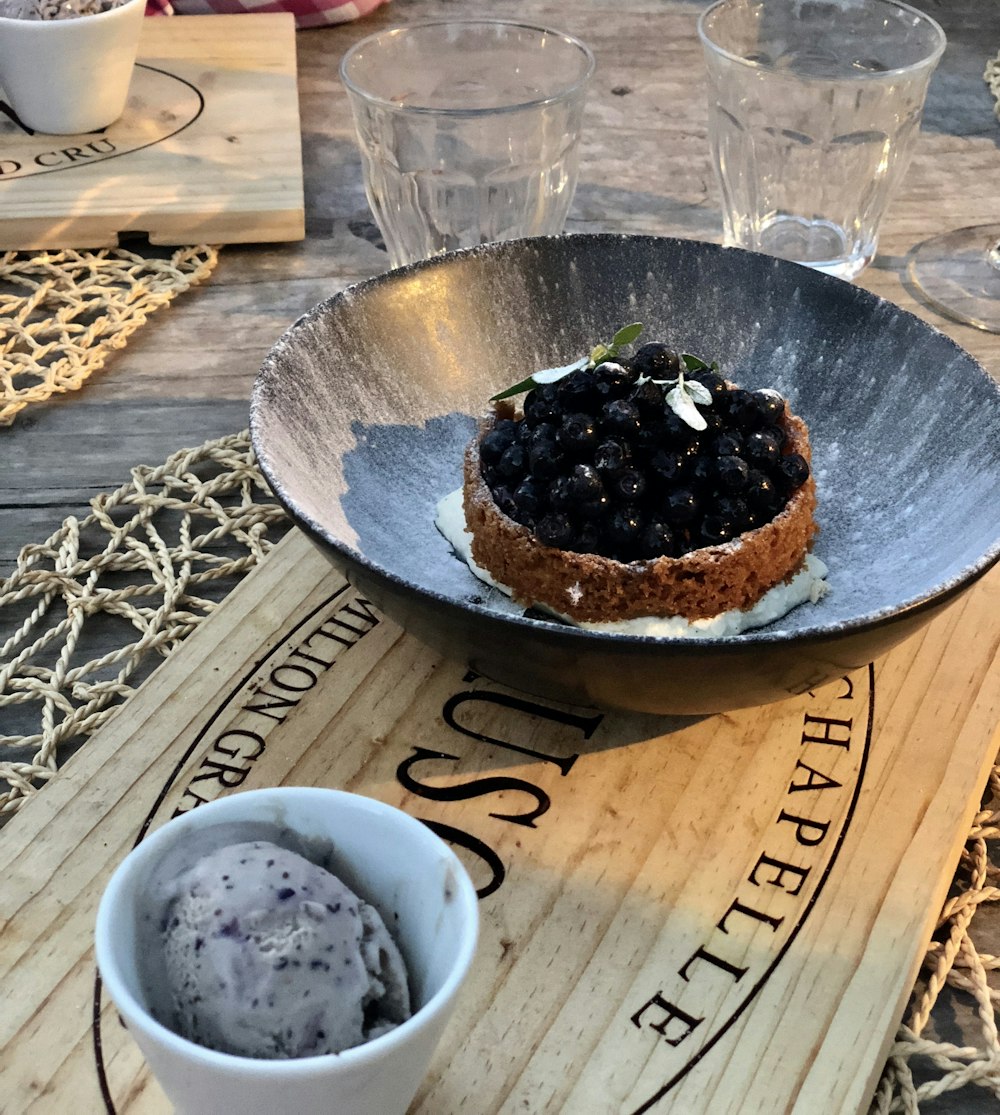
{"points": [[386, 856], [70, 76]]}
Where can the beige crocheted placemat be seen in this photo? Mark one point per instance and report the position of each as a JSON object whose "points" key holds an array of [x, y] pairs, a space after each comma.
{"points": [[63, 313], [146, 565]]}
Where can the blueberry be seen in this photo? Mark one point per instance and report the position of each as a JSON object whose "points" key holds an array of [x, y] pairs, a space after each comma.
{"points": [[577, 434], [623, 528], [525, 433], [649, 440], [761, 494], [555, 529], [736, 511], [714, 422], [629, 485], [744, 411], [657, 361], [729, 444], [656, 539], [494, 445], [531, 499], [616, 376], [792, 471], [715, 530], [503, 497], [778, 433], [576, 391], [648, 397], [668, 466], [620, 417], [545, 459], [513, 463], [771, 404], [674, 428], [761, 448], [588, 539], [684, 542], [716, 385], [732, 472], [688, 444], [703, 474], [611, 456], [544, 431], [585, 484], [560, 494], [680, 506], [594, 509], [541, 405]]}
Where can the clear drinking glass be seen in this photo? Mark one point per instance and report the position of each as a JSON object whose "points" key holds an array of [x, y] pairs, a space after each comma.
{"points": [[813, 112], [469, 131]]}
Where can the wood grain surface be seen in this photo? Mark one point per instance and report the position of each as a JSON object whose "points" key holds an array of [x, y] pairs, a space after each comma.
{"points": [[186, 377], [689, 915], [207, 150]]}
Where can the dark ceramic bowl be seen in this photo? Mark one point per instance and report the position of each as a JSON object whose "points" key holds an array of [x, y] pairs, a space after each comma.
{"points": [[363, 408]]}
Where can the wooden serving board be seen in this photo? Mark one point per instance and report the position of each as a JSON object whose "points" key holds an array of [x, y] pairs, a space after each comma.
{"points": [[208, 149], [690, 915]]}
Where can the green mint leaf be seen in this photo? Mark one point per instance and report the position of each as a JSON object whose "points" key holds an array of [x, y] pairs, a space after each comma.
{"points": [[626, 335], [598, 354], [517, 389], [694, 363]]}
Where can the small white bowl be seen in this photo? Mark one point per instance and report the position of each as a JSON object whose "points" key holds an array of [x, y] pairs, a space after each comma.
{"points": [[70, 76], [387, 857]]}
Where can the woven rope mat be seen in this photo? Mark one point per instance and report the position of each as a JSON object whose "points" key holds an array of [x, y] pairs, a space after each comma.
{"points": [[63, 313], [148, 563], [154, 558]]}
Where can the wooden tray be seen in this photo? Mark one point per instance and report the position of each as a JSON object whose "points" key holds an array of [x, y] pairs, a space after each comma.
{"points": [[696, 915], [208, 149]]}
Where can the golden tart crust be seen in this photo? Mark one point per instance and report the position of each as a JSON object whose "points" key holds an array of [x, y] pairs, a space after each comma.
{"points": [[590, 588]]}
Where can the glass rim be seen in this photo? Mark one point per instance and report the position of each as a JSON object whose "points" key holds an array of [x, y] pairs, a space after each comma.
{"points": [[564, 93], [929, 59]]}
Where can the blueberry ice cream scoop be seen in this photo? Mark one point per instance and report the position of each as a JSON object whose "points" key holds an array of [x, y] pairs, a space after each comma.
{"points": [[269, 955]]}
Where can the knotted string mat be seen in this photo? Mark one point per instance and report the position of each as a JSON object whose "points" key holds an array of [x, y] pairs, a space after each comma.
{"points": [[154, 558], [63, 313]]}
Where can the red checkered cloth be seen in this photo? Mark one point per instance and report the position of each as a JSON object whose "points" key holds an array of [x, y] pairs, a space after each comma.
{"points": [[308, 13]]}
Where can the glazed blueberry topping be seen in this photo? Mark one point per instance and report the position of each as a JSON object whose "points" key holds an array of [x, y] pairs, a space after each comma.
{"points": [[601, 462], [657, 361], [762, 448], [577, 434]]}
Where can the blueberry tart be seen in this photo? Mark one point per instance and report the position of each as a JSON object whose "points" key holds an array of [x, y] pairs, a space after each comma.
{"points": [[639, 486]]}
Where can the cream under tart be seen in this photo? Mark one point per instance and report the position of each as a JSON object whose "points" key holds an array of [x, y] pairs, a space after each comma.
{"points": [[644, 494]]}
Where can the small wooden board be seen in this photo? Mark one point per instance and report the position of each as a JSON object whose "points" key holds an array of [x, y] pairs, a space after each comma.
{"points": [[697, 915], [208, 149]]}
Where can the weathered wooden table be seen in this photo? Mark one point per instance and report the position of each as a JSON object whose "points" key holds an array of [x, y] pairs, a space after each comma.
{"points": [[186, 376]]}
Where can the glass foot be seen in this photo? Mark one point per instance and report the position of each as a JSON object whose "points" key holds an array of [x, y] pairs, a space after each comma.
{"points": [[959, 275]]}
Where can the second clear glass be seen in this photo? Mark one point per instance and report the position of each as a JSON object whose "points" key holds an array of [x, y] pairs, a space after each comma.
{"points": [[469, 131], [813, 113]]}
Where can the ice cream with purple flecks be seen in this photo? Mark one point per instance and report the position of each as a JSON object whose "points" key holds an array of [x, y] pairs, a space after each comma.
{"points": [[269, 955]]}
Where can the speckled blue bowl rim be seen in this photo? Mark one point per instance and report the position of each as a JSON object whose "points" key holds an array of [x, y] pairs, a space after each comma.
{"points": [[938, 596]]}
